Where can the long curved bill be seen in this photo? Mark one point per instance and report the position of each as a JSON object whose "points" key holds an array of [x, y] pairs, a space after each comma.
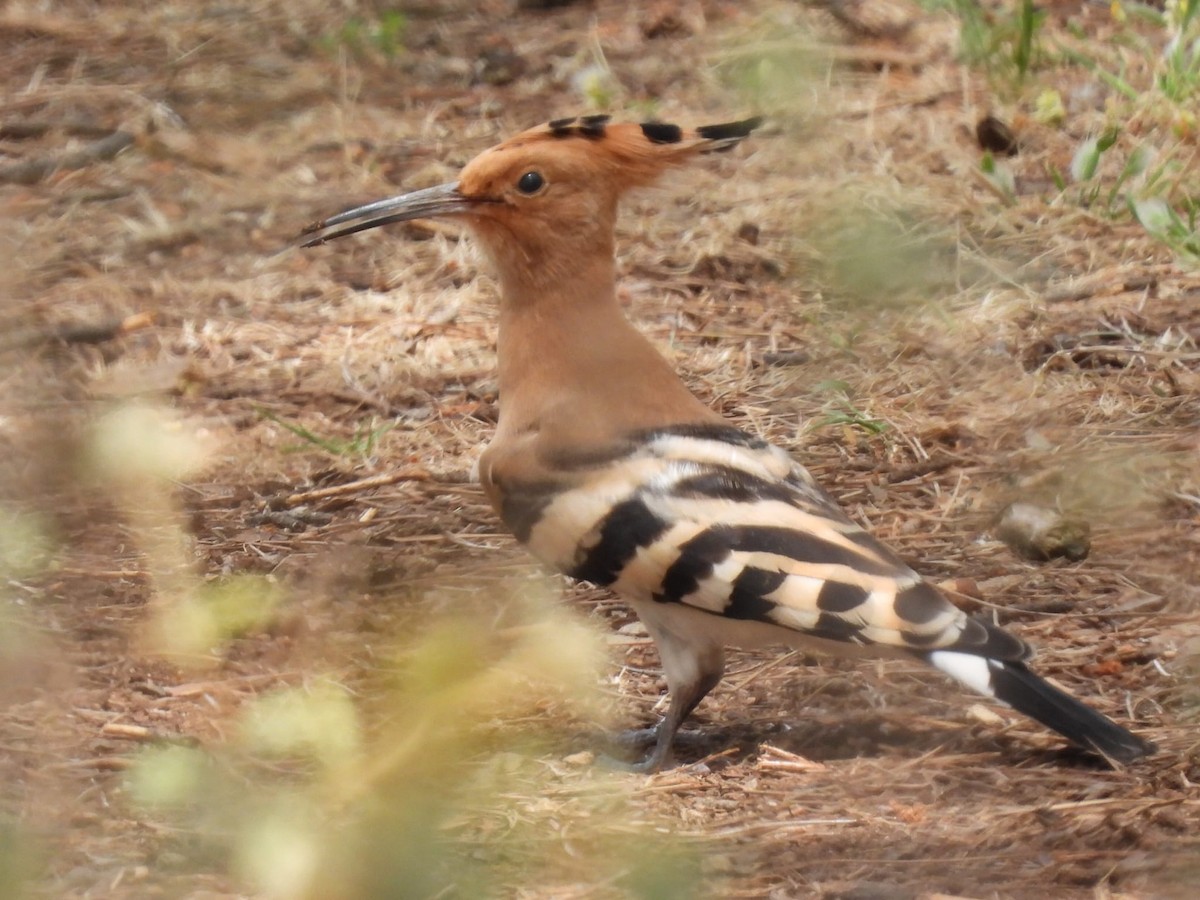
{"points": [[443, 200]]}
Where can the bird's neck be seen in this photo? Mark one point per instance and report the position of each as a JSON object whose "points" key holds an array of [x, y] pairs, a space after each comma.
{"points": [[572, 367]]}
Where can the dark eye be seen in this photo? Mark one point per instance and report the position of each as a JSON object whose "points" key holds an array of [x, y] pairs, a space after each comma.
{"points": [[531, 183]]}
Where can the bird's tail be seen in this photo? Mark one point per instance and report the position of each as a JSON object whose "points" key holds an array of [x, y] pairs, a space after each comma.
{"points": [[1013, 684]]}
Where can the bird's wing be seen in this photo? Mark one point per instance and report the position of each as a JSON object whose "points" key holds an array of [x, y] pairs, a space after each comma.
{"points": [[714, 519]]}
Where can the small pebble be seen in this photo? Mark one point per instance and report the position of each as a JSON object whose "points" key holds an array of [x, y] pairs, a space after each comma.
{"points": [[1040, 533], [996, 136]]}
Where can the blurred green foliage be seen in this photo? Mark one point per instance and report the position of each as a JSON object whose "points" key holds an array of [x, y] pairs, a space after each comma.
{"points": [[380, 34], [27, 668], [414, 786], [1147, 181], [25, 543], [364, 443], [872, 253], [840, 410], [1003, 40], [19, 862], [777, 68], [401, 778]]}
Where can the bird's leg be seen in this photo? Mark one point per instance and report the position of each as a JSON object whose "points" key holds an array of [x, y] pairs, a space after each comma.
{"points": [[692, 669], [683, 701]]}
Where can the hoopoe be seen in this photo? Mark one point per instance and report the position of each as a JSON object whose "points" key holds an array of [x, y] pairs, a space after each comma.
{"points": [[611, 471]]}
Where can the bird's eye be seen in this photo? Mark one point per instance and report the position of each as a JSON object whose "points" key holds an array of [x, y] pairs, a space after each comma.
{"points": [[531, 183]]}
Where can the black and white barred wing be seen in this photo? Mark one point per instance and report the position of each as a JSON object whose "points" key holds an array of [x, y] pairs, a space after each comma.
{"points": [[716, 520], [710, 519]]}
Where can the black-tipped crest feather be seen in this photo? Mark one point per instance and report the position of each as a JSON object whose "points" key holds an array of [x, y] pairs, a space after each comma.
{"points": [[662, 132], [727, 134]]}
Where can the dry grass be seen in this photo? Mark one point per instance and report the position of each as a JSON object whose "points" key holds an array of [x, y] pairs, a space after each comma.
{"points": [[847, 284]]}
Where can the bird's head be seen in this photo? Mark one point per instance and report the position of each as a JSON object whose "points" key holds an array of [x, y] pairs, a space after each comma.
{"points": [[545, 199]]}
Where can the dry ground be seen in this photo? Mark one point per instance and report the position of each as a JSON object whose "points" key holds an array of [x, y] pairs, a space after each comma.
{"points": [[845, 283]]}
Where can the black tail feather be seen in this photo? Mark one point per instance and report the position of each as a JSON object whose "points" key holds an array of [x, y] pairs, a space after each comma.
{"points": [[1014, 684]]}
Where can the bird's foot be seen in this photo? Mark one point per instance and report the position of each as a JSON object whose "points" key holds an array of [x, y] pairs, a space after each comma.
{"points": [[627, 744], [634, 738]]}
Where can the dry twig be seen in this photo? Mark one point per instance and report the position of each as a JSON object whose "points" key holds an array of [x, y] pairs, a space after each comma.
{"points": [[354, 487], [76, 332], [31, 171]]}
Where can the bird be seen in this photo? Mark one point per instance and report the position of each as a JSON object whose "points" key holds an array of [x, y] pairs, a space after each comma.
{"points": [[611, 471]]}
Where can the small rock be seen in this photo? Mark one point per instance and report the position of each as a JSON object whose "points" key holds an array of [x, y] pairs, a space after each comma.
{"points": [[672, 18], [995, 136], [499, 64], [1039, 533], [785, 358], [749, 232], [982, 714]]}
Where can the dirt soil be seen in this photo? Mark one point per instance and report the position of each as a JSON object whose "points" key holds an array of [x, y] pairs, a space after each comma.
{"points": [[845, 283]]}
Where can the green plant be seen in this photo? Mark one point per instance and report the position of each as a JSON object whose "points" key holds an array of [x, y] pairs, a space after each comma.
{"points": [[595, 80], [366, 436], [1028, 21], [1136, 164], [874, 253], [851, 415], [1179, 70], [410, 785], [20, 860], [839, 410], [999, 176], [1005, 44], [1177, 64], [776, 67], [1086, 162], [1117, 82], [598, 87], [1148, 185], [1140, 189], [1179, 232], [1048, 108], [362, 37]]}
